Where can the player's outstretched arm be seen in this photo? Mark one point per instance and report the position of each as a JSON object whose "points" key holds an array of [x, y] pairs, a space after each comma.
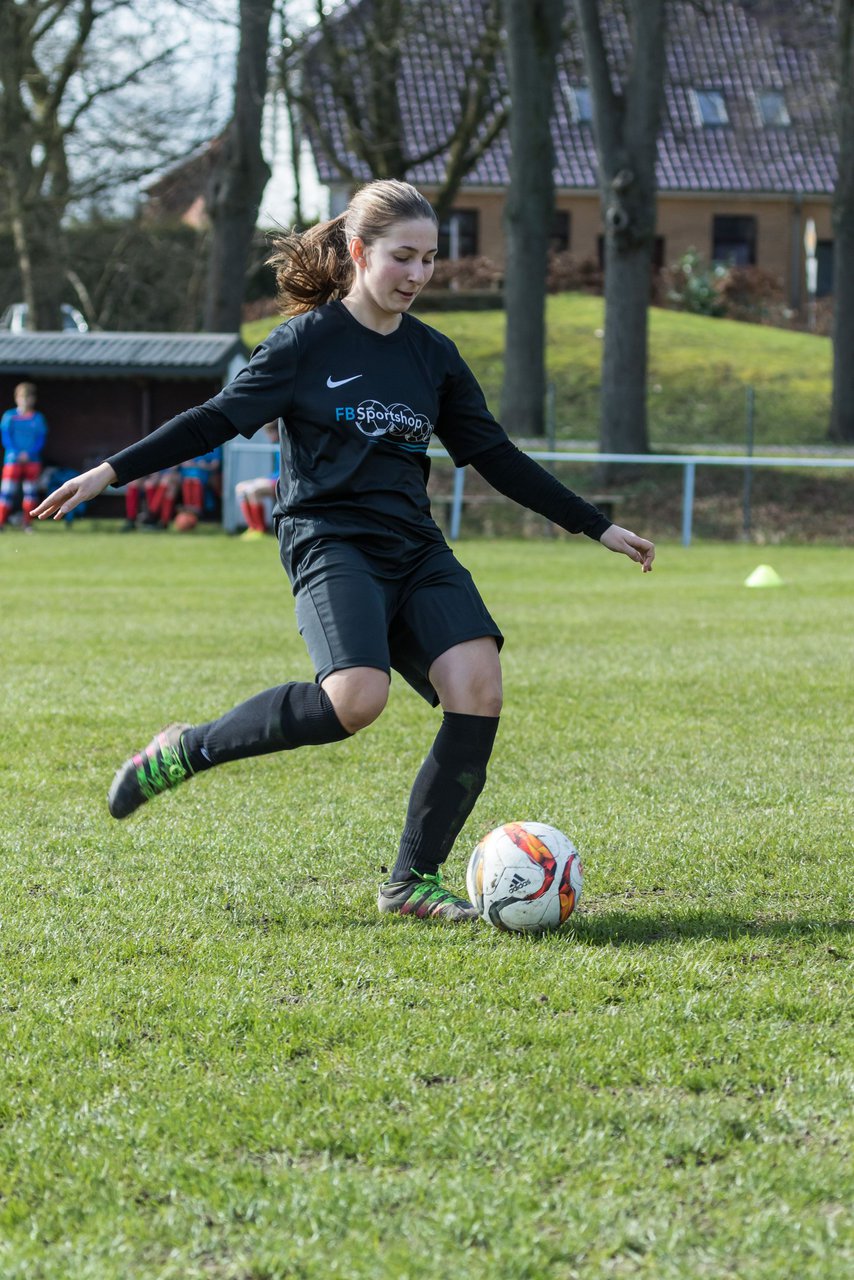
{"points": [[79, 489], [629, 544]]}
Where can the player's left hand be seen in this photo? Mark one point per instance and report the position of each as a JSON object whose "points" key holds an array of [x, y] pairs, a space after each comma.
{"points": [[629, 544]]}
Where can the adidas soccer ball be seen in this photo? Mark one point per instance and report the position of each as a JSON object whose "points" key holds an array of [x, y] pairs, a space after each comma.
{"points": [[525, 877]]}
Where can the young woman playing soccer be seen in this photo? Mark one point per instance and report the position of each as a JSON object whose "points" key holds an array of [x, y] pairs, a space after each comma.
{"points": [[360, 387]]}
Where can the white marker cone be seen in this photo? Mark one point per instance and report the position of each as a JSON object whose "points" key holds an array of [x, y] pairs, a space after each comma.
{"points": [[764, 576]]}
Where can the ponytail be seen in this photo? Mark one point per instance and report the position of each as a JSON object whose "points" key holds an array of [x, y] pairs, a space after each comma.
{"points": [[314, 266]]}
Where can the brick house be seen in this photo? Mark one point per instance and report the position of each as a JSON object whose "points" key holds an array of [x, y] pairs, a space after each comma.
{"points": [[746, 155]]}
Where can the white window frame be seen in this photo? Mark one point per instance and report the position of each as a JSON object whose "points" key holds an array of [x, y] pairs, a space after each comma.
{"points": [[710, 95], [779, 95], [572, 94]]}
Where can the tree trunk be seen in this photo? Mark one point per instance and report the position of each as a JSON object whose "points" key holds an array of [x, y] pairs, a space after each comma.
{"points": [[35, 206], [842, 407], [533, 42], [622, 428], [627, 124], [240, 175]]}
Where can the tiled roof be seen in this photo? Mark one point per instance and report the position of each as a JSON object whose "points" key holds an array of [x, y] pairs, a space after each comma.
{"points": [[730, 50], [87, 355]]}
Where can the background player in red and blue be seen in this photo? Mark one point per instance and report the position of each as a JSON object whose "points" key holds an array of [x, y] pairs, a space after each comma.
{"points": [[24, 431], [200, 479]]}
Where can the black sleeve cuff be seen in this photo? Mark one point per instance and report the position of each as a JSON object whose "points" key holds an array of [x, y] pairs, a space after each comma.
{"points": [[519, 477]]}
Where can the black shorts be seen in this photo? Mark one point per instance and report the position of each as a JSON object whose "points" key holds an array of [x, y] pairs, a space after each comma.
{"points": [[352, 612]]}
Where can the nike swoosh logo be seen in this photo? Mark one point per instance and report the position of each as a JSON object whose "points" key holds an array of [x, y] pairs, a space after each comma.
{"points": [[341, 381]]}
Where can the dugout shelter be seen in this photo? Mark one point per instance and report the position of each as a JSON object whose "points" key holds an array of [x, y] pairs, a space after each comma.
{"points": [[102, 391]]}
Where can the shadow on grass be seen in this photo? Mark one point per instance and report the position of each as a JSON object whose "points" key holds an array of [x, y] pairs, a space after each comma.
{"points": [[616, 928]]}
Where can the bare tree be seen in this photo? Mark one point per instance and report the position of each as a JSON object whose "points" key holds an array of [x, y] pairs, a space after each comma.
{"points": [[75, 76], [240, 174], [842, 407], [626, 120], [345, 82], [33, 159], [534, 31]]}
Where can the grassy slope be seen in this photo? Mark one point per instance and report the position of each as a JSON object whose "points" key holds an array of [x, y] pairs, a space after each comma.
{"points": [[699, 370], [218, 1062]]}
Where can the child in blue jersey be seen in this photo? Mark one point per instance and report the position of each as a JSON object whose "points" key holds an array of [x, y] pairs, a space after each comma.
{"points": [[360, 387], [23, 431]]}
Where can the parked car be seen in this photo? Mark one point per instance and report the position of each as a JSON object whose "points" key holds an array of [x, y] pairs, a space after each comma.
{"points": [[14, 319]]}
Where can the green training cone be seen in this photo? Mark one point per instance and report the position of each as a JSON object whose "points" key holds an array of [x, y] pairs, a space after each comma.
{"points": [[764, 576]]}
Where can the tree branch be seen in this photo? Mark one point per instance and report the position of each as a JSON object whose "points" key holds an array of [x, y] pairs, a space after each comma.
{"points": [[607, 105]]}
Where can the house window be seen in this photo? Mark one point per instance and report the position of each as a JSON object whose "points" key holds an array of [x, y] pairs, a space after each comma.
{"points": [[709, 107], [458, 234], [580, 104], [824, 280], [560, 232], [734, 240], [773, 112]]}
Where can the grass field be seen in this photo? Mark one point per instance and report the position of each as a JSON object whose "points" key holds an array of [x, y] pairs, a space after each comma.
{"points": [[218, 1062], [699, 370]]}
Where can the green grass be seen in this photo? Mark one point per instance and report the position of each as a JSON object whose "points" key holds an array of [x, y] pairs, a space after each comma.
{"points": [[699, 369], [219, 1063]]}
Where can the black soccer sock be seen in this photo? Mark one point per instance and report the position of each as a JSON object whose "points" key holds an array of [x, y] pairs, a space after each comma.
{"points": [[279, 719], [445, 791]]}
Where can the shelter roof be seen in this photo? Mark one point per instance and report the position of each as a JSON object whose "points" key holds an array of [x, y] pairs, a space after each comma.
{"points": [[93, 355]]}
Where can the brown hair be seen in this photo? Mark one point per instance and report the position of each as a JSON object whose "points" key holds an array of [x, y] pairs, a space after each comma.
{"points": [[314, 266]]}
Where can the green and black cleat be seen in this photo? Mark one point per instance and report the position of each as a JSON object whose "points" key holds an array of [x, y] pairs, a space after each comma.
{"points": [[161, 766], [424, 897]]}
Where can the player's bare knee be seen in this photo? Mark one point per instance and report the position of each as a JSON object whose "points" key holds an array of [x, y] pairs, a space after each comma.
{"points": [[481, 698], [490, 702], [358, 696]]}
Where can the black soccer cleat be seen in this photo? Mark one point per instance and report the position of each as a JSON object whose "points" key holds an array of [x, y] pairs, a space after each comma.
{"points": [[159, 767]]}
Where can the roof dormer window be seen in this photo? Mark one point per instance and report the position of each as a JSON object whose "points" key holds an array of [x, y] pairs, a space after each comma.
{"points": [[580, 104], [773, 111], [709, 107]]}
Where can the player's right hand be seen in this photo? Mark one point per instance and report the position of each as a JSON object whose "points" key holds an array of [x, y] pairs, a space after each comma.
{"points": [[79, 489]]}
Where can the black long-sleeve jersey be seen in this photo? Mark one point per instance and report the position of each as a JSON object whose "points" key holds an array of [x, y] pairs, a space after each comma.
{"points": [[357, 411]]}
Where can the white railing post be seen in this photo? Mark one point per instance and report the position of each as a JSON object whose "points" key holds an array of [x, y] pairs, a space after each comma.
{"points": [[688, 502], [457, 502]]}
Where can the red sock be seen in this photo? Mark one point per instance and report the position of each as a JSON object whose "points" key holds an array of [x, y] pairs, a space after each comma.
{"points": [[27, 505], [167, 507], [256, 511], [132, 502], [4, 512], [246, 512], [192, 493], [154, 497]]}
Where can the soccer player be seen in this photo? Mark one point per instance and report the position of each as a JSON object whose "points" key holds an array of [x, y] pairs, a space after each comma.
{"points": [[361, 387], [23, 431], [252, 495], [197, 476]]}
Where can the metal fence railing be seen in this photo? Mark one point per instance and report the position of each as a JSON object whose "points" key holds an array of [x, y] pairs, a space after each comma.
{"points": [[244, 459], [689, 463]]}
